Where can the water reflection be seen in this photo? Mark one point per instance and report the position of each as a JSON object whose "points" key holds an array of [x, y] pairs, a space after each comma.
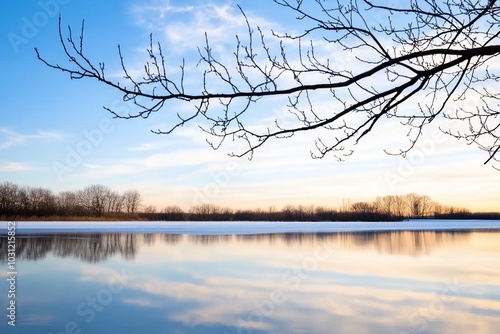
{"points": [[87, 247], [387, 282], [99, 247]]}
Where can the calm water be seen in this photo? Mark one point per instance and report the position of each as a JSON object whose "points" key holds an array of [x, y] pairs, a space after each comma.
{"points": [[389, 282]]}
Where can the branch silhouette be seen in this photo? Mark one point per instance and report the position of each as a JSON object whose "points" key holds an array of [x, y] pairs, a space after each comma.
{"points": [[417, 61]]}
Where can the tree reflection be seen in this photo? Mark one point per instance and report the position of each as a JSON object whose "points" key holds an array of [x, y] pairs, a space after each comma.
{"points": [[403, 242], [149, 239], [100, 247], [210, 239], [86, 247], [391, 242]]}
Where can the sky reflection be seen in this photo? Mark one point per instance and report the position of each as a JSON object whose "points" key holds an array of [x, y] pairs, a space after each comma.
{"points": [[390, 282]]}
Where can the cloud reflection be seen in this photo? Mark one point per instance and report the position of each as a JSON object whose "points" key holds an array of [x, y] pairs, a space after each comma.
{"points": [[387, 282]]}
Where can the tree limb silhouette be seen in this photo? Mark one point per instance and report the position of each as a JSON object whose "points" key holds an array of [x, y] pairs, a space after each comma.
{"points": [[409, 63]]}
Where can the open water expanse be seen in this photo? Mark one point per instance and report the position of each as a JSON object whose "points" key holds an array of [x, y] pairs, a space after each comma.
{"points": [[297, 283]]}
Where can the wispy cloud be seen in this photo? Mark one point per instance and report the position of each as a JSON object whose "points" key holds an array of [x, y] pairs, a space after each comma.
{"points": [[141, 302], [113, 169], [216, 20], [14, 167], [154, 14], [146, 147], [10, 138], [174, 159]]}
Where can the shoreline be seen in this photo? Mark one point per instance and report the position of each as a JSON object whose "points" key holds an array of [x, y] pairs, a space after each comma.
{"points": [[245, 227]]}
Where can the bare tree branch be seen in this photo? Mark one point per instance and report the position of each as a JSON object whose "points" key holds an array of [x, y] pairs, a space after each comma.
{"points": [[421, 61]]}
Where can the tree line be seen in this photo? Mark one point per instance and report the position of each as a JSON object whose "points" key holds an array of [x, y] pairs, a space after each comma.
{"points": [[385, 208], [18, 202], [101, 202]]}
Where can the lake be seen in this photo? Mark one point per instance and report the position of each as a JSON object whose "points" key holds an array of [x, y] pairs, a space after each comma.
{"points": [[297, 283]]}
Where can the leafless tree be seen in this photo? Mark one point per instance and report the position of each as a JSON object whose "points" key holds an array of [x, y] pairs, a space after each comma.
{"points": [[40, 201], [411, 62], [173, 212], [363, 207], [114, 202], [205, 209], [67, 203], [385, 204], [288, 212], [455, 210], [8, 198], [172, 209], [400, 207], [346, 205], [419, 206], [23, 199], [427, 206], [149, 209], [131, 201], [94, 199]]}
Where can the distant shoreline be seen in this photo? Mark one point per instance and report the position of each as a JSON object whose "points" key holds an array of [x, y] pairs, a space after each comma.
{"points": [[249, 227], [189, 217]]}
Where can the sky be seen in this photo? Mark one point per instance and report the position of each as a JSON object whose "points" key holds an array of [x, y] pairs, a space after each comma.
{"points": [[54, 132]]}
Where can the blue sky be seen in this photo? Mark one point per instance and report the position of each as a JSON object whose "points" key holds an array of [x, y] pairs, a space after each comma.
{"points": [[54, 132]]}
